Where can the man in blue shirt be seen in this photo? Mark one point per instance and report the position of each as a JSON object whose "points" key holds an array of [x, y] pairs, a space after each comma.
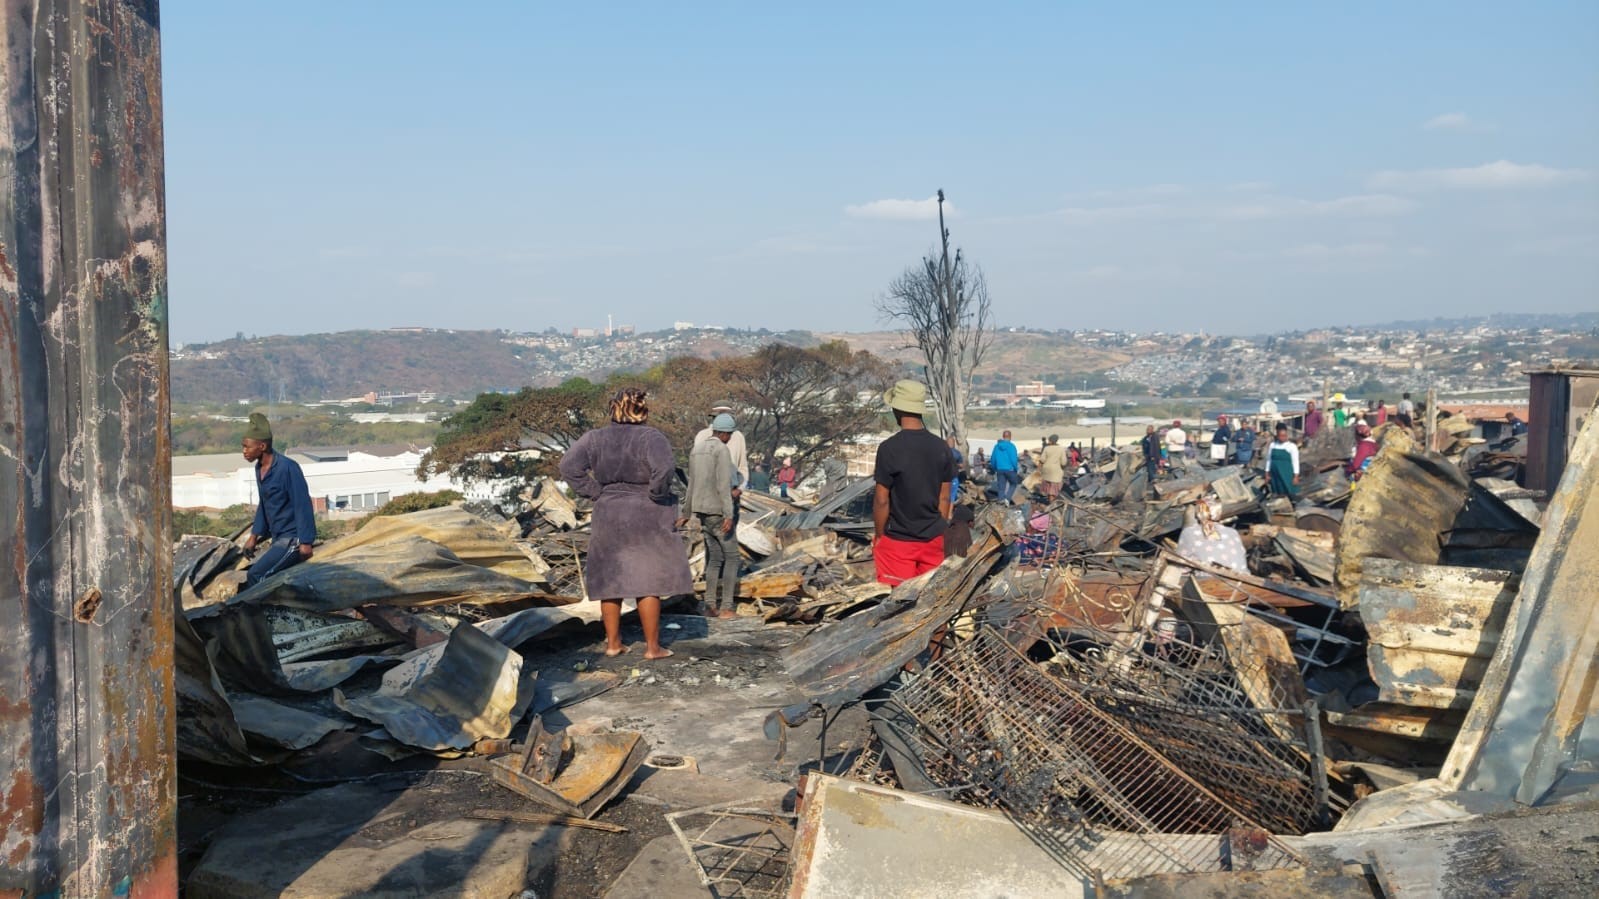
{"points": [[1006, 467], [283, 513]]}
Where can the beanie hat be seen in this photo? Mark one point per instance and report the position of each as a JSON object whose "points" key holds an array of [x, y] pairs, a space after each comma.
{"points": [[723, 423], [259, 428]]}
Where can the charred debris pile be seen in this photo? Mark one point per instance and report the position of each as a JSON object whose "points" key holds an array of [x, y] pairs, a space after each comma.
{"points": [[1174, 678]]}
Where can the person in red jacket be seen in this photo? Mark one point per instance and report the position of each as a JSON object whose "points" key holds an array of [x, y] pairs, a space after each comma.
{"points": [[787, 477], [1365, 449]]}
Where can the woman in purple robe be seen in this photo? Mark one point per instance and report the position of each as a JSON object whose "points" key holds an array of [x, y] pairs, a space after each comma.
{"points": [[626, 468]]}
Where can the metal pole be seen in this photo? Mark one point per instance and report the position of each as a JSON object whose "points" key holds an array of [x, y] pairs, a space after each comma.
{"points": [[87, 788], [1432, 419]]}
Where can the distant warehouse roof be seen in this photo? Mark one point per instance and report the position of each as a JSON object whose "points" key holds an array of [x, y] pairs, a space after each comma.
{"points": [[342, 453]]}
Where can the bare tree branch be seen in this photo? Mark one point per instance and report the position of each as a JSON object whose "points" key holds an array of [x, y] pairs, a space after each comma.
{"points": [[943, 305]]}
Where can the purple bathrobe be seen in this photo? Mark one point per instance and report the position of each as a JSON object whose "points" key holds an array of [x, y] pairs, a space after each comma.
{"points": [[634, 550]]}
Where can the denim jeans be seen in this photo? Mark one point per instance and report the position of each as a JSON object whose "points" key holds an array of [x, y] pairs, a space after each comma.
{"points": [[279, 556], [1007, 482], [721, 564]]}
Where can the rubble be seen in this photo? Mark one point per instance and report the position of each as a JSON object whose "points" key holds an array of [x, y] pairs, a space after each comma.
{"points": [[1189, 679]]}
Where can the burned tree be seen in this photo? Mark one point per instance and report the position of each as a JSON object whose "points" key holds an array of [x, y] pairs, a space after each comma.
{"points": [[942, 302]]}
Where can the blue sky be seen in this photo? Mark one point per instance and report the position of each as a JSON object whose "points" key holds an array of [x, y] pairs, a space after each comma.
{"points": [[1234, 167]]}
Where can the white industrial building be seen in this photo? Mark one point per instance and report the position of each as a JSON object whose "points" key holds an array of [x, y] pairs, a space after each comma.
{"points": [[339, 478]]}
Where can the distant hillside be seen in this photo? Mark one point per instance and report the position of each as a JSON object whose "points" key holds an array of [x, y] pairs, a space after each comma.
{"points": [[1014, 355], [461, 364], [452, 364], [1565, 321], [346, 364]]}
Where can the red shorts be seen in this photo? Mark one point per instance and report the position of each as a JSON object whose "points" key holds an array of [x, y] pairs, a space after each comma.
{"points": [[900, 560]]}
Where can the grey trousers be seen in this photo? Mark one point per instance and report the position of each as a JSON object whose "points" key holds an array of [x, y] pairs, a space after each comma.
{"points": [[721, 563]]}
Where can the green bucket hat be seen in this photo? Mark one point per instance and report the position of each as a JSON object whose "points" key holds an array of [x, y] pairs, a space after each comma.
{"points": [[259, 428], [907, 396]]}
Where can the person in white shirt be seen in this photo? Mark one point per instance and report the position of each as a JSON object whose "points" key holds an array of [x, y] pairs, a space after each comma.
{"points": [[735, 446], [1176, 445]]}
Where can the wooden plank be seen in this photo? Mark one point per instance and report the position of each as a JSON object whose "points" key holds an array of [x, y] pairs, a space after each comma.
{"points": [[771, 585], [1309, 595], [1259, 654], [1216, 589], [1311, 556], [1318, 539], [1432, 725]]}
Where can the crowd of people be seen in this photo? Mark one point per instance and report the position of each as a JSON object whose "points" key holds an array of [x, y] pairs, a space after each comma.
{"points": [[1173, 448], [627, 469]]}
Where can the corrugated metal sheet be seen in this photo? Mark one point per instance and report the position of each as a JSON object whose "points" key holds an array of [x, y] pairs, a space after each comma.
{"points": [[1404, 501], [1537, 710]]}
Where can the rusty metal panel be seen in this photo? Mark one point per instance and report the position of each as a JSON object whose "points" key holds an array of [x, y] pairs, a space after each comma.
{"points": [[1548, 401], [86, 713], [1432, 629], [1403, 504], [1537, 710]]}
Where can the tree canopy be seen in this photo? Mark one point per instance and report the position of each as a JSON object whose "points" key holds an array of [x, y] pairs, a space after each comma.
{"points": [[809, 402]]}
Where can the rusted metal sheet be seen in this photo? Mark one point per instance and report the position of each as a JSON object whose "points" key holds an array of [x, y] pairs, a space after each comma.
{"points": [[840, 662], [1432, 629], [599, 767], [476, 691], [1404, 502], [1537, 709], [86, 673], [1548, 403]]}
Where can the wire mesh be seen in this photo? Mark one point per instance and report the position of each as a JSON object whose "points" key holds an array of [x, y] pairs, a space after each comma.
{"points": [[739, 851], [1107, 779]]}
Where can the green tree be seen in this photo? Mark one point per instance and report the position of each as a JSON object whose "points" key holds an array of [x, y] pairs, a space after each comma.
{"points": [[809, 399], [514, 437]]}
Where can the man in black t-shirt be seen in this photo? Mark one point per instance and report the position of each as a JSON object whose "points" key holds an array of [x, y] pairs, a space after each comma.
{"points": [[911, 505]]}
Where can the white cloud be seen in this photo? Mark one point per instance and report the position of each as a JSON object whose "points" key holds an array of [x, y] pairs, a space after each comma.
{"points": [[1451, 121], [1499, 175], [900, 210]]}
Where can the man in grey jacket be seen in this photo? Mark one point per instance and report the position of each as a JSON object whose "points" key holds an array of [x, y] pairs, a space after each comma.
{"points": [[735, 444], [711, 481]]}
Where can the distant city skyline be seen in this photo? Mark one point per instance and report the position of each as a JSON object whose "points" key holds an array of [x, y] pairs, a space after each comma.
{"points": [[1259, 169]]}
